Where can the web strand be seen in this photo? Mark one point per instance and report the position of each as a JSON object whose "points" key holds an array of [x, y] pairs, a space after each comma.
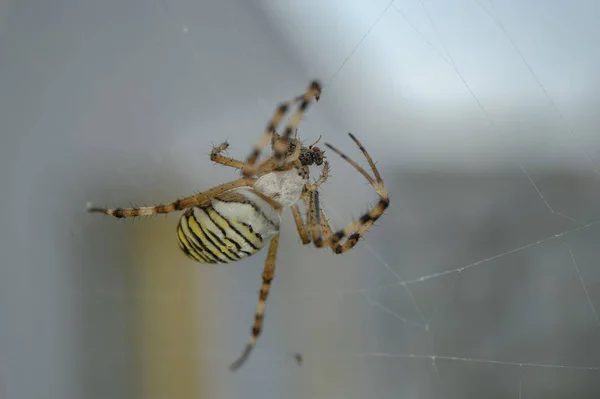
{"points": [[452, 64], [534, 76], [583, 285], [474, 360], [360, 42]]}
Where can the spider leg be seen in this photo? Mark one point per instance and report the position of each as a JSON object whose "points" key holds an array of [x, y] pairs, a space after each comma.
{"points": [[267, 278], [321, 231], [269, 164], [265, 166], [314, 218], [281, 146], [215, 156], [322, 179], [300, 225], [357, 228], [182, 203], [303, 228], [314, 91]]}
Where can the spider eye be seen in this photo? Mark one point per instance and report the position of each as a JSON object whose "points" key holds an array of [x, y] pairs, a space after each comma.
{"points": [[316, 149]]}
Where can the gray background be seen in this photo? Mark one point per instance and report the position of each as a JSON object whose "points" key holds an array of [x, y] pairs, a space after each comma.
{"points": [[481, 281]]}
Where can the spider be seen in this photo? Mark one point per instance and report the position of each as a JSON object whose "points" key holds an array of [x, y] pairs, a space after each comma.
{"points": [[236, 219]]}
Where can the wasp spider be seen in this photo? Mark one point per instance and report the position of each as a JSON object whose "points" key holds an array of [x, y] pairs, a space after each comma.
{"points": [[234, 220]]}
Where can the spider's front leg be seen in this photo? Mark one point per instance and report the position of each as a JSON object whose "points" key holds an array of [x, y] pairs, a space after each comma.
{"points": [[182, 203], [356, 229], [314, 91], [270, 164], [281, 146]]}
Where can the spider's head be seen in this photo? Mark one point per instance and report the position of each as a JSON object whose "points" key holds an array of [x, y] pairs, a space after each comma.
{"points": [[311, 156]]}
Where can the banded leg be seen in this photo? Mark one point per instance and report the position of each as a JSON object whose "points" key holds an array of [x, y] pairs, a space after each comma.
{"points": [[322, 223], [359, 227], [312, 225], [315, 223], [250, 169], [314, 218], [182, 203], [314, 91], [267, 278], [215, 156], [271, 164]]}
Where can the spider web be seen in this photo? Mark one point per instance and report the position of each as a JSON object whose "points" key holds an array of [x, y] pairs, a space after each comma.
{"points": [[431, 328]]}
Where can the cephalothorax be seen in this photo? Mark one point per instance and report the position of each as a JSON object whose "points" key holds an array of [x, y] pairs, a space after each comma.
{"points": [[234, 220]]}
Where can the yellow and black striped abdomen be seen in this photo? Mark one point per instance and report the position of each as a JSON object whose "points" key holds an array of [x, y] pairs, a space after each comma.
{"points": [[224, 232]]}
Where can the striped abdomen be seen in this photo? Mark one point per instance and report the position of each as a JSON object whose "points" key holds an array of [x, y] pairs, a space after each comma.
{"points": [[233, 226]]}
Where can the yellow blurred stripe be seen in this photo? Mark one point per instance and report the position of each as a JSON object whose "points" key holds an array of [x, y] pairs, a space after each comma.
{"points": [[166, 329]]}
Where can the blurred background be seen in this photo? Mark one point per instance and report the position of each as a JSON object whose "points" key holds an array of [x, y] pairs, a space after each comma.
{"points": [[482, 279]]}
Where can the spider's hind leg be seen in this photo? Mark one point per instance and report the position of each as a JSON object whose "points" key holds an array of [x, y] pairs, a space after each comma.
{"points": [[182, 203]]}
